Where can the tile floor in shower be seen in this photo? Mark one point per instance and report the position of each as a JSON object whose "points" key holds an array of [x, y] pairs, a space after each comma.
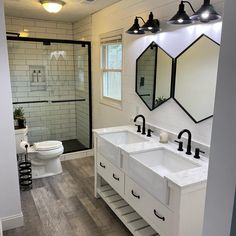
{"points": [[73, 145]]}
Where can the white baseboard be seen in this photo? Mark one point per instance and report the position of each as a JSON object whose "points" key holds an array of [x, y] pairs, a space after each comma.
{"points": [[0, 227], [76, 155], [12, 222]]}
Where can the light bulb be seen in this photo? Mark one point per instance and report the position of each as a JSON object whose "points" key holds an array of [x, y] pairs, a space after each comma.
{"points": [[52, 7], [205, 15]]}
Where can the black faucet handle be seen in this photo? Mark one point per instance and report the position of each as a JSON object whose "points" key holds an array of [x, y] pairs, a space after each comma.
{"points": [[180, 148], [139, 128], [197, 153], [149, 133]]}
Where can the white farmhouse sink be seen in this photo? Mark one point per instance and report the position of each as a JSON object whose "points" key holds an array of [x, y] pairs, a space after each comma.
{"points": [[150, 168], [108, 144]]}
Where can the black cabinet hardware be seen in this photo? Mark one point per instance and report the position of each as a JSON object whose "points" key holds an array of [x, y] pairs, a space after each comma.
{"points": [[103, 166], [137, 196], [180, 148], [116, 178], [158, 216]]}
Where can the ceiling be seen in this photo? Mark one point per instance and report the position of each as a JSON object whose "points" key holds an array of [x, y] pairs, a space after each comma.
{"points": [[73, 11]]}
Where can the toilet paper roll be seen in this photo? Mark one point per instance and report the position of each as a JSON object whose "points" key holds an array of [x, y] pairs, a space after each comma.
{"points": [[23, 145]]}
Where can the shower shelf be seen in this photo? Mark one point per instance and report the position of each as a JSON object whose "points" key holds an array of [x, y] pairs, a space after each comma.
{"points": [[38, 83]]}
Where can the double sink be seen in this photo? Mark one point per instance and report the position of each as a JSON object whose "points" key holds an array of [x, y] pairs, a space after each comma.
{"points": [[151, 167]]}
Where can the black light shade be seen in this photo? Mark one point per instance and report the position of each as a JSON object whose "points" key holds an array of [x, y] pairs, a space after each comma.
{"points": [[206, 13], [181, 16], [135, 28], [152, 24]]}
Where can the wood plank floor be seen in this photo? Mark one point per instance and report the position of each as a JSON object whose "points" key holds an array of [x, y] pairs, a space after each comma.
{"points": [[64, 205]]}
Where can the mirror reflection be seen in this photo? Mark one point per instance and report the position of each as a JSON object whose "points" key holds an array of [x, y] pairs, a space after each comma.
{"points": [[195, 80], [153, 76]]}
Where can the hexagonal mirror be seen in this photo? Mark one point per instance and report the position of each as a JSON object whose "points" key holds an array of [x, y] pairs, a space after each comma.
{"points": [[154, 76], [195, 79]]}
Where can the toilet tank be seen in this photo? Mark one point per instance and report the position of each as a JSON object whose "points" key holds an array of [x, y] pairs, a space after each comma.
{"points": [[21, 135]]}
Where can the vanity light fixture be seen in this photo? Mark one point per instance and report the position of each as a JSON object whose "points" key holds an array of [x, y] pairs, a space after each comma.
{"points": [[52, 6], [206, 13], [181, 16], [135, 28], [152, 25]]}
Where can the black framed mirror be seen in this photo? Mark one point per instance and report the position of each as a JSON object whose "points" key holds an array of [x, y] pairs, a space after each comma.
{"points": [[195, 78], [154, 76]]}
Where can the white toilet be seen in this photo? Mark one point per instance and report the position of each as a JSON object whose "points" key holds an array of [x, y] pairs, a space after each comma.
{"points": [[45, 156]]}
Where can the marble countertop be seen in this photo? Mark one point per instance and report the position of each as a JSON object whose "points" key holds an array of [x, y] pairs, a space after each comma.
{"points": [[182, 179]]}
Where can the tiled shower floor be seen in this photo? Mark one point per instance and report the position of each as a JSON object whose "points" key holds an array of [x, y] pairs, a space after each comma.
{"points": [[72, 145]]}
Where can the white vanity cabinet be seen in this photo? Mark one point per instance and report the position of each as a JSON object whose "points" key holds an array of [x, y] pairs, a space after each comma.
{"points": [[139, 210]]}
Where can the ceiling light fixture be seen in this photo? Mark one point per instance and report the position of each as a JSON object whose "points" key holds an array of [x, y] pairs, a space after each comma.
{"points": [[52, 6], [152, 25], [206, 13]]}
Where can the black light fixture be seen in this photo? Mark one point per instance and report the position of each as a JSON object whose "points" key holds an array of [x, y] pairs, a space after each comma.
{"points": [[152, 25], [206, 13], [135, 28], [181, 16]]}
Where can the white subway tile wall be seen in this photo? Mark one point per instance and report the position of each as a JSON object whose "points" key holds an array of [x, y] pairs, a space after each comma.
{"points": [[63, 68]]}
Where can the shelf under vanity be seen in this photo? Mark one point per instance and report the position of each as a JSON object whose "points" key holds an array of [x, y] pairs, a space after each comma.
{"points": [[129, 217]]}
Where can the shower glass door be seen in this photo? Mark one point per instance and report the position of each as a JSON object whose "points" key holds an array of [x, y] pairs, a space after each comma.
{"points": [[51, 80]]}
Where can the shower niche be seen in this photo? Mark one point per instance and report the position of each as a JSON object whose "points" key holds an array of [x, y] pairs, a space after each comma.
{"points": [[37, 77]]}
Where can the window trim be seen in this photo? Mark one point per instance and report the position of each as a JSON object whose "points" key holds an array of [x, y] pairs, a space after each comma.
{"points": [[110, 38]]}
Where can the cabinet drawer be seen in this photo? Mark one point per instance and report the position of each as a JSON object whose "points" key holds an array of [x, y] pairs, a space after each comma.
{"points": [[103, 166], [111, 174], [152, 210], [117, 179]]}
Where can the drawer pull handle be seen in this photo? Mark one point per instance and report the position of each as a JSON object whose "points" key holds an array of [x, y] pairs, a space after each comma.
{"points": [[137, 196], [116, 178], [103, 166], [160, 217]]}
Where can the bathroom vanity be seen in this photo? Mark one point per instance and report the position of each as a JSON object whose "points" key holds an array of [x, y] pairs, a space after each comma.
{"points": [[153, 188]]}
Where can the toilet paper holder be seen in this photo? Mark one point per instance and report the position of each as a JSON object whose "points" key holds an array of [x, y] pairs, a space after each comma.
{"points": [[25, 170]]}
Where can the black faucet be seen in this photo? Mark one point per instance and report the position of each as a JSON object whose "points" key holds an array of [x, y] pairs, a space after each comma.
{"points": [[143, 127], [189, 140]]}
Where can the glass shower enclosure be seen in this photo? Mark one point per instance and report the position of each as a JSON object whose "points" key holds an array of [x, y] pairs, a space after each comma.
{"points": [[51, 81]]}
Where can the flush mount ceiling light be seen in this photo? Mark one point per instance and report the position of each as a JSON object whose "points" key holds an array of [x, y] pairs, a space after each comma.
{"points": [[152, 25], [206, 13], [181, 16], [52, 6]]}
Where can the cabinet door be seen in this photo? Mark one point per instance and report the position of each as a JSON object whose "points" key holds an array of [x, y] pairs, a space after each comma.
{"points": [[153, 211]]}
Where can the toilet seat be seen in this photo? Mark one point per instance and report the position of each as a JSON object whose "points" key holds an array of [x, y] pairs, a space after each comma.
{"points": [[47, 145]]}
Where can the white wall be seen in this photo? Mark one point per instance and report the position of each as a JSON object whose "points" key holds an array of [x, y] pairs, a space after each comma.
{"points": [[121, 15], [222, 173], [9, 189], [39, 28]]}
